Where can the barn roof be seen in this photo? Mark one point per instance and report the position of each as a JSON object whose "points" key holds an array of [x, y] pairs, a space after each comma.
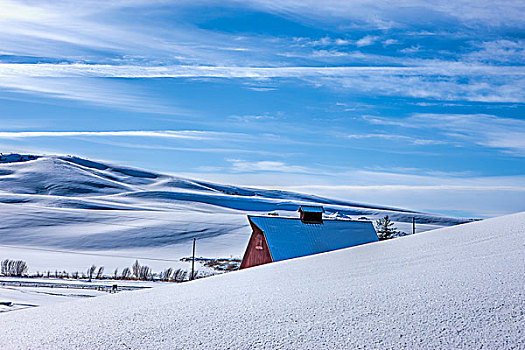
{"points": [[289, 238]]}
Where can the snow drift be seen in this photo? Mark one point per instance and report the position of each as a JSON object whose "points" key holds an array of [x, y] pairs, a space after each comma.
{"points": [[458, 287]]}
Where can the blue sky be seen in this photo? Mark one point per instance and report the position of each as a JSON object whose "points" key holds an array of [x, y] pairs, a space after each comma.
{"points": [[419, 105]]}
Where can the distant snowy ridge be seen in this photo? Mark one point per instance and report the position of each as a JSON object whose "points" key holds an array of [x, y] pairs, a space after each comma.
{"points": [[454, 288], [76, 177]]}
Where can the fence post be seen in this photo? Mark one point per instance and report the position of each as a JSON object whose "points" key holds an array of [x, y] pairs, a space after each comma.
{"points": [[193, 262]]}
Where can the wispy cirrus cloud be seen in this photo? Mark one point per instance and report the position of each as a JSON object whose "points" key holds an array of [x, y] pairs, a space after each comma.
{"points": [[167, 134], [240, 165], [396, 137], [499, 51], [253, 118], [195, 149], [426, 68], [386, 15], [63, 32], [505, 134], [91, 90], [431, 80]]}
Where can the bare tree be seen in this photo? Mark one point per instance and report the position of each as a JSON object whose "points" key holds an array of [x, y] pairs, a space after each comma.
{"points": [[166, 274], [100, 272], [4, 270], [145, 273], [179, 275], [136, 269], [115, 273], [16, 268], [91, 271], [126, 273]]}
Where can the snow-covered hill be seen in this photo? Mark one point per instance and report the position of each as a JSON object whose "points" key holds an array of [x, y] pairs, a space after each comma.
{"points": [[113, 214], [453, 288]]}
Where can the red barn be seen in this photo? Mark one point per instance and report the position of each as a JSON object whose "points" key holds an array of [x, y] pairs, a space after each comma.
{"points": [[276, 238]]}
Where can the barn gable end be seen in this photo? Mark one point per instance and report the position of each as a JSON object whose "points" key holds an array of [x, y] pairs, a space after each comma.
{"points": [[257, 252]]}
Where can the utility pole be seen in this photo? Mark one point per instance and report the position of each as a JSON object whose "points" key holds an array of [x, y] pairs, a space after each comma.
{"points": [[193, 262], [413, 225]]}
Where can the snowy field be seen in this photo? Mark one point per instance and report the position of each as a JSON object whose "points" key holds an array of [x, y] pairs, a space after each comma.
{"points": [[452, 288], [67, 213], [17, 293]]}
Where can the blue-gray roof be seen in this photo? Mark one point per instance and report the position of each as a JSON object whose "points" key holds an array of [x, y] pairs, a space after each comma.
{"points": [[311, 209], [291, 238]]}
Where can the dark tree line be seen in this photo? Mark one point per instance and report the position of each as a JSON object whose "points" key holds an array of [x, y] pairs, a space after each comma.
{"points": [[19, 268]]}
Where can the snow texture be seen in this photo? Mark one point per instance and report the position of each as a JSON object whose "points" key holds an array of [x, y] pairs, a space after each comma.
{"points": [[32, 292], [452, 288], [62, 212]]}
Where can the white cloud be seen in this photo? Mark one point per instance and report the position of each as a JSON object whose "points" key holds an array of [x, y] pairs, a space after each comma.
{"points": [[428, 79], [199, 148], [485, 130], [491, 89], [102, 31], [323, 41], [429, 68], [395, 137], [342, 42], [366, 41], [411, 49], [81, 32], [506, 51], [329, 53], [468, 87], [104, 92], [170, 134], [262, 89], [383, 14], [239, 165], [252, 118], [388, 42]]}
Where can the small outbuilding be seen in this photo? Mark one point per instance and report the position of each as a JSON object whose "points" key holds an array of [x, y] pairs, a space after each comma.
{"points": [[276, 238]]}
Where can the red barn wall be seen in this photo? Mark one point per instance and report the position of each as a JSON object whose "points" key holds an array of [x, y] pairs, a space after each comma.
{"points": [[254, 255]]}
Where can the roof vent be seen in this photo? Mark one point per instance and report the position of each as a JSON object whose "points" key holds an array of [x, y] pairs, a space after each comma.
{"points": [[311, 214]]}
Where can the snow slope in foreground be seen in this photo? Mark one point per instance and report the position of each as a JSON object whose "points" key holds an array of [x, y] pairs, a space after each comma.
{"points": [[458, 287], [67, 213]]}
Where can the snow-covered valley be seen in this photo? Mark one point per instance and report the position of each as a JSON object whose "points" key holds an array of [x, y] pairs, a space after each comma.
{"points": [[67, 213]]}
